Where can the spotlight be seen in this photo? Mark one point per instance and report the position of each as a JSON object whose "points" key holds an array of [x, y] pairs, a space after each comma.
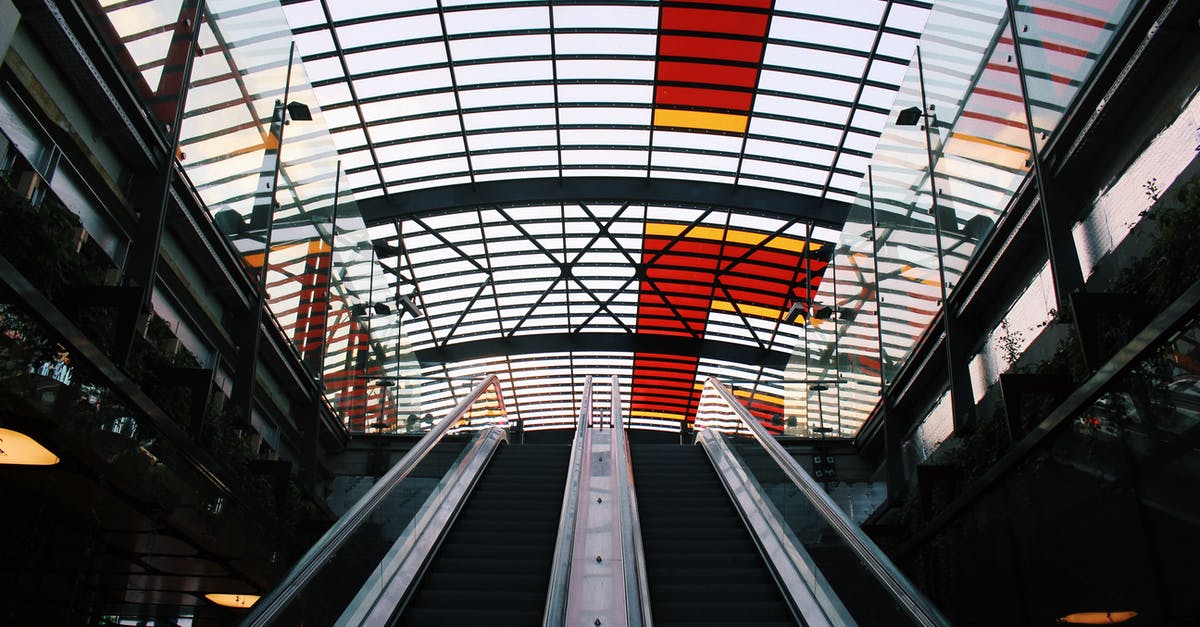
{"points": [[794, 311], [407, 303], [909, 117], [299, 111]]}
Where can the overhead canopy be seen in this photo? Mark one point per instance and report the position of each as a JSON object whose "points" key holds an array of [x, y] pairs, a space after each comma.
{"points": [[659, 190]]}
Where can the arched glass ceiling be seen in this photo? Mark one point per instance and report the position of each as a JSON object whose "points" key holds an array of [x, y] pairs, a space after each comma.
{"points": [[750, 92], [660, 190]]}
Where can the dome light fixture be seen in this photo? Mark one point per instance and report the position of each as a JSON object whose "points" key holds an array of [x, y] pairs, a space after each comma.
{"points": [[18, 448], [232, 600]]}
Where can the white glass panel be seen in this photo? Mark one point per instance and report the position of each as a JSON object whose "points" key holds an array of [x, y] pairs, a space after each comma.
{"points": [[400, 29], [605, 44], [605, 17], [499, 96], [492, 20], [608, 69], [510, 46]]}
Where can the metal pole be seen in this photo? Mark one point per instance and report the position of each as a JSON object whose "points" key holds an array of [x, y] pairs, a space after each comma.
{"points": [[143, 262], [243, 393], [961, 406], [894, 467], [1065, 273]]}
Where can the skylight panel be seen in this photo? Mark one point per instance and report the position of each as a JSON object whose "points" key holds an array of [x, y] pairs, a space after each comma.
{"points": [[515, 160], [823, 61], [415, 128], [435, 168], [506, 46], [865, 11], [393, 58], [591, 116], [567, 43], [822, 33], [576, 156], [330, 96], [766, 127], [782, 171], [507, 72], [600, 137], [354, 159], [802, 109], [908, 17], [869, 119], [323, 70], [301, 14], [420, 149], [314, 42], [585, 16], [697, 141], [850, 184], [501, 96], [397, 29], [409, 106], [531, 138], [340, 117], [496, 20], [508, 119], [887, 72], [359, 181], [612, 92], [821, 87], [419, 80], [607, 69], [897, 46], [684, 160]]}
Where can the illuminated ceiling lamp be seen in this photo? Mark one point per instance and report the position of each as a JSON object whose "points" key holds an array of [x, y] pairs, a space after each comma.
{"points": [[18, 448], [1097, 618], [232, 600]]}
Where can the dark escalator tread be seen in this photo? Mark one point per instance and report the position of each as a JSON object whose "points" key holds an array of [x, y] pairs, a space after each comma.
{"points": [[445, 617], [494, 566], [702, 564]]}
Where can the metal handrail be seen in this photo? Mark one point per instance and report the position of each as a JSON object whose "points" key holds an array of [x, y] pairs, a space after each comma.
{"points": [[902, 591], [560, 573], [637, 590], [318, 556]]}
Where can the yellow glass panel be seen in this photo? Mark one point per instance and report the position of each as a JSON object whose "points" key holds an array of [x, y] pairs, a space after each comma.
{"points": [[703, 120]]}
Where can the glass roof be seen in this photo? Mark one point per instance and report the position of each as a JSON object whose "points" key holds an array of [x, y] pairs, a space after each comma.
{"points": [[465, 201]]}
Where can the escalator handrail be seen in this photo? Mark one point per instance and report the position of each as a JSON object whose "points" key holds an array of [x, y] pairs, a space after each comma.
{"points": [[555, 613], [637, 590], [266, 610], [898, 586]]}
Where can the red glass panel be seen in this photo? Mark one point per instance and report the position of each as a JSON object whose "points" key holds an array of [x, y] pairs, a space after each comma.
{"points": [[707, 73], [713, 21], [709, 48], [753, 4], [700, 97]]}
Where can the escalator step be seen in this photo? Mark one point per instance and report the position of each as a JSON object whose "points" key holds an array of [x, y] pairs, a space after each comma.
{"points": [[703, 566], [494, 566]]}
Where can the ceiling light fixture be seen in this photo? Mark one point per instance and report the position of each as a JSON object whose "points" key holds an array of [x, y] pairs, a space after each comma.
{"points": [[232, 600], [18, 448], [1097, 618]]}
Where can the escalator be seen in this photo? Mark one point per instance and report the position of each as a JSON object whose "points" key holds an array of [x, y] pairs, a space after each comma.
{"points": [[703, 566], [494, 566], [729, 531]]}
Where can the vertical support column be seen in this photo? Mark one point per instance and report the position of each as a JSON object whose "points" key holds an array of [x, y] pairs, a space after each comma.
{"points": [[262, 217], [142, 268], [1052, 199], [892, 433], [961, 399]]}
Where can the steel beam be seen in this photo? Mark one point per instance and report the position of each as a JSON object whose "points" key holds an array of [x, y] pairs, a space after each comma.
{"points": [[599, 189]]}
